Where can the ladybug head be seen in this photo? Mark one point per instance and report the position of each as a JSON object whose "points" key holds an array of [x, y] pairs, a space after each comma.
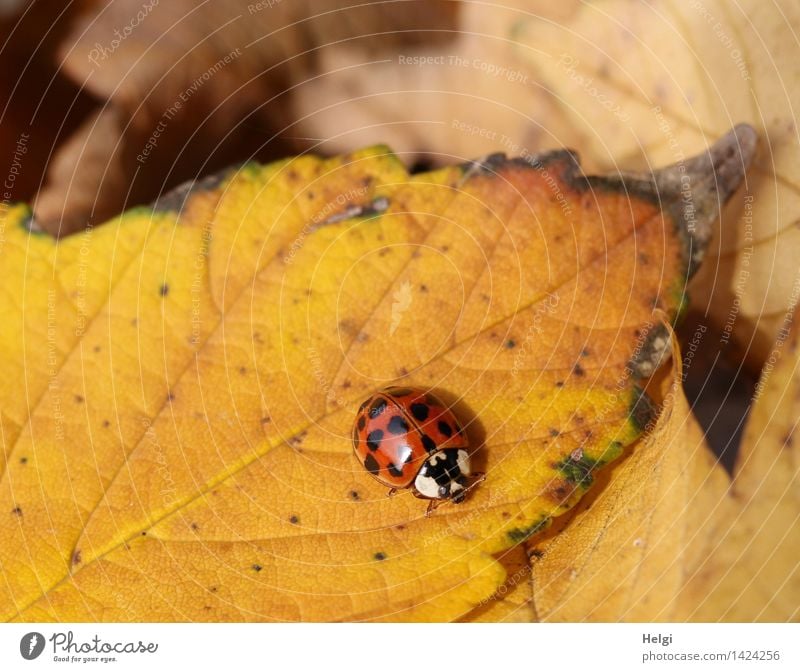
{"points": [[443, 475]]}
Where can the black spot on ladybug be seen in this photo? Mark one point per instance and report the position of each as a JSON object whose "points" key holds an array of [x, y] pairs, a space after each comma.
{"points": [[377, 408], [394, 470], [164, 289], [399, 391], [354, 495], [294, 520], [380, 556], [374, 439], [398, 425], [510, 343], [444, 428], [361, 422], [363, 406], [420, 411], [428, 443], [256, 568], [16, 511], [371, 465]]}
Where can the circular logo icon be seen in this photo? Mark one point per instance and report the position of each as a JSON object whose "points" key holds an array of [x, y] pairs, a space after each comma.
{"points": [[31, 645]]}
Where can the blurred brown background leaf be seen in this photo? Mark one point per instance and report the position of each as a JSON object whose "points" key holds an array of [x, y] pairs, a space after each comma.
{"points": [[140, 97]]}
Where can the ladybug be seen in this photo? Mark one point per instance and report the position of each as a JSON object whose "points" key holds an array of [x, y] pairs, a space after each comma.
{"points": [[406, 438]]}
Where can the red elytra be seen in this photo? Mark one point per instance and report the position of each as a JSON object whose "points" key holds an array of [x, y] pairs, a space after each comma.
{"points": [[397, 429]]}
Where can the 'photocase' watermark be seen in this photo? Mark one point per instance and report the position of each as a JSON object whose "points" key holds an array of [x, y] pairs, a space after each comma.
{"points": [[570, 64], [102, 52]]}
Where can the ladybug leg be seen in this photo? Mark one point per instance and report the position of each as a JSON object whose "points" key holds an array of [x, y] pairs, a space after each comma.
{"points": [[477, 478], [392, 492], [433, 504]]}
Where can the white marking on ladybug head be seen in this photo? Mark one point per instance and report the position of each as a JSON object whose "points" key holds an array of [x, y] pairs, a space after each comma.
{"points": [[426, 486], [464, 463]]}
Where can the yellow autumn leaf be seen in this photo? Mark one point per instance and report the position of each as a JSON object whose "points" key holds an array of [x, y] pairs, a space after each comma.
{"points": [[648, 83], [185, 453], [512, 602], [668, 537], [628, 549], [751, 572]]}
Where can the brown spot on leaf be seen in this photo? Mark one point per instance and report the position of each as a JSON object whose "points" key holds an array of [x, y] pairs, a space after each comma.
{"points": [[559, 491]]}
